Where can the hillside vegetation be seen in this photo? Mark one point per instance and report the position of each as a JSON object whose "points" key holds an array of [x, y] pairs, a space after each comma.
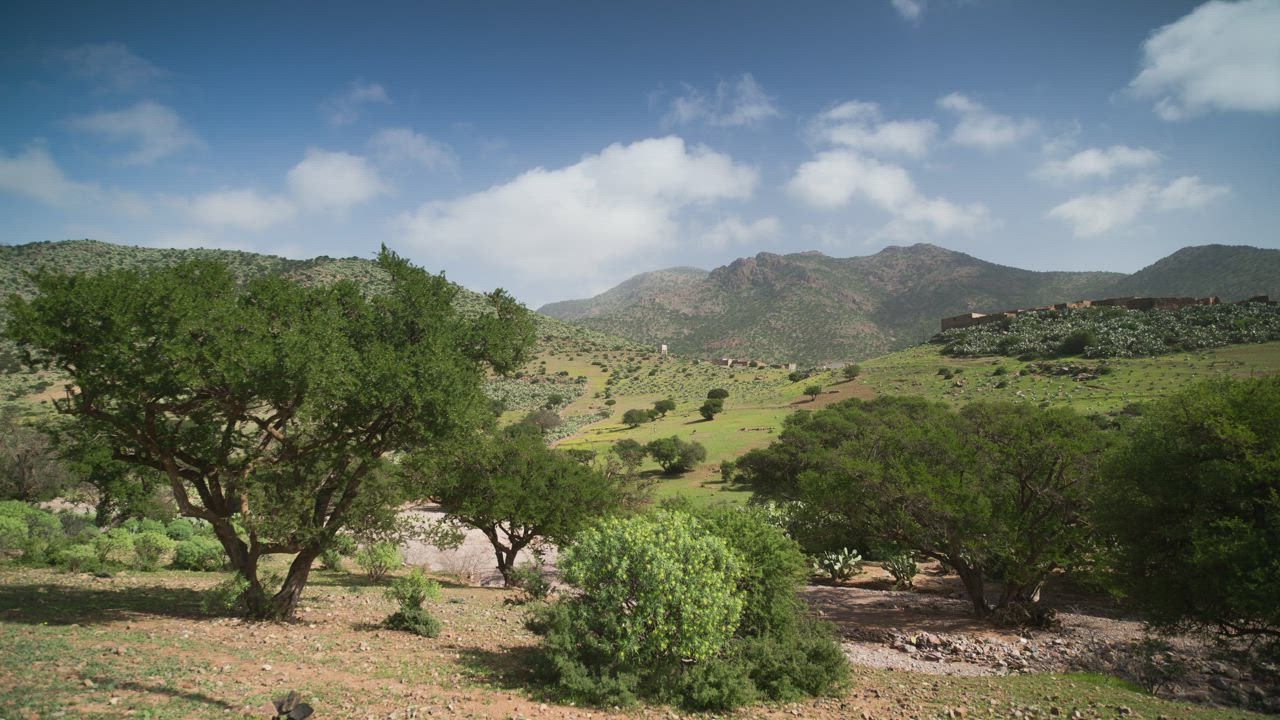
{"points": [[813, 309]]}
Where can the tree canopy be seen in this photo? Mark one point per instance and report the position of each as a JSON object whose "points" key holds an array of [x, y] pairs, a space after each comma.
{"points": [[269, 407]]}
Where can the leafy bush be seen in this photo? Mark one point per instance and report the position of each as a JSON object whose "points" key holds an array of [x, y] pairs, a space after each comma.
{"points": [[803, 659], [772, 567], [180, 529], [198, 553], [13, 533], [78, 558], [1078, 342], [378, 559], [532, 582], [410, 592], [851, 371], [227, 597], [903, 568], [340, 548], [658, 595], [839, 565], [34, 531], [149, 549]]}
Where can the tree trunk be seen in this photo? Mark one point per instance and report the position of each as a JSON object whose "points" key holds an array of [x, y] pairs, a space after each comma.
{"points": [[506, 562], [258, 604], [974, 587]]}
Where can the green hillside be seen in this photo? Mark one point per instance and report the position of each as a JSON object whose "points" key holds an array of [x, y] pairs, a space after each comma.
{"points": [[814, 309]]}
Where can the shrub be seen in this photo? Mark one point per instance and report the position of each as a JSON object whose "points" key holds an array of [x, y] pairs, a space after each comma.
{"points": [[114, 547], [717, 394], [198, 553], [903, 568], [227, 597], [149, 549], [802, 659], [711, 408], [410, 592], [658, 596], [610, 402], [532, 582], [662, 407], [180, 529], [636, 417], [13, 533], [772, 567], [78, 558], [851, 371], [839, 565], [378, 559], [813, 391], [340, 548], [1078, 342]]}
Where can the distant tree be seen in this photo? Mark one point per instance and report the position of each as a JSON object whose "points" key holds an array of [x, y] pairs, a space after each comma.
{"points": [[545, 420], [270, 407], [1194, 505], [851, 371], [717, 394], [675, 455], [1077, 342], [813, 391], [629, 452], [711, 408], [514, 489], [636, 417], [553, 400], [662, 407]]}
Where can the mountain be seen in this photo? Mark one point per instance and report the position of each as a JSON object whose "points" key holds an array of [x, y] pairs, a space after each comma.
{"points": [[1232, 272], [811, 308]]}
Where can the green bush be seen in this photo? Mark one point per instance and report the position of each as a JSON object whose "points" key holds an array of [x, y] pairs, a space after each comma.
{"points": [[772, 567], [711, 408], [532, 582], [227, 597], [410, 592], [804, 659], [78, 558], [1078, 342], [198, 553], [180, 529], [717, 394], [114, 547], [340, 548], [378, 559], [13, 533], [150, 548]]}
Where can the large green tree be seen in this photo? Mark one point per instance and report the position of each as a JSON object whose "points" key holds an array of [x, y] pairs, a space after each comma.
{"points": [[270, 408], [514, 489], [1193, 501], [995, 490]]}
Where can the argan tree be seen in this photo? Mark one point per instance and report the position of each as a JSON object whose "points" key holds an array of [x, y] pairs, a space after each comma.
{"points": [[269, 408], [514, 489]]}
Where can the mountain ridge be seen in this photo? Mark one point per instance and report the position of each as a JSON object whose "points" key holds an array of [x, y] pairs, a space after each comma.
{"points": [[813, 308]]}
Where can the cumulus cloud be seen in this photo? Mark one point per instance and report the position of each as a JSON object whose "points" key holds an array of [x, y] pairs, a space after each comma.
{"points": [[861, 126], [735, 231], [835, 178], [1098, 163], [1221, 56], [982, 128], [245, 209], [742, 103], [393, 146], [910, 10], [155, 130], [112, 67], [35, 174], [346, 107], [1099, 213], [334, 181], [583, 220]]}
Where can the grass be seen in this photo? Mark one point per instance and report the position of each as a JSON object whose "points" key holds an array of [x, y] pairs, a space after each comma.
{"points": [[139, 646]]}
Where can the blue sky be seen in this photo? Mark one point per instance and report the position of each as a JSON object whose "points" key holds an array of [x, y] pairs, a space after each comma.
{"points": [[557, 148]]}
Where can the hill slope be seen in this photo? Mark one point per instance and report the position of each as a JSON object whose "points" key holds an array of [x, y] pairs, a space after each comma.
{"points": [[811, 308]]}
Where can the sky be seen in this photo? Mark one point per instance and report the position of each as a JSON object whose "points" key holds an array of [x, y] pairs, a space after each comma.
{"points": [[557, 148]]}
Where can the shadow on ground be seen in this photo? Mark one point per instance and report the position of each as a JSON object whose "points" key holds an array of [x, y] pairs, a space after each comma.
{"points": [[39, 603]]}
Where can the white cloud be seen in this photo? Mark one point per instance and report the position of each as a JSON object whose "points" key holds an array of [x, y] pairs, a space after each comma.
{"points": [[1221, 56], [245, 209], [835, 178], [981, 128], [911, 10], [1098, 163], [735, 231], [1099, 213], [345, 107], [739, 104], [860, 126], [112, 67], [36, 175], [400, 145], [583, 220], [334, 181], [156, 130]]}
